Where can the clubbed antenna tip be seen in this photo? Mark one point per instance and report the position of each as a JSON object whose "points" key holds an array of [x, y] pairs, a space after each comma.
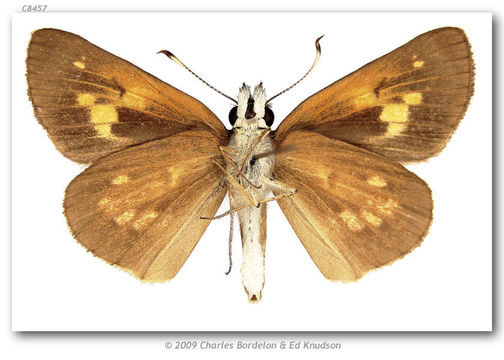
{"points": [[317, 57], [172, 57]]}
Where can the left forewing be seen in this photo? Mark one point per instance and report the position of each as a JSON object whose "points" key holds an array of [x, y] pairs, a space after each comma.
{"points": [[140, 208], [354, 210]]}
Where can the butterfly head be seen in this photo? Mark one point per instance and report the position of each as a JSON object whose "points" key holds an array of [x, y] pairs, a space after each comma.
{"points": [[252, 109]]}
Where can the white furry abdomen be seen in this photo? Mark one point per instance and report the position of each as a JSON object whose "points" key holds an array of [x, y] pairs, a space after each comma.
{"points": [[252, 225], [252, 219]]}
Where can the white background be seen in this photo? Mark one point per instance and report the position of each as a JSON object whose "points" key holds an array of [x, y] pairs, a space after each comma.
{"points": [[443, 285], [16, 345]]}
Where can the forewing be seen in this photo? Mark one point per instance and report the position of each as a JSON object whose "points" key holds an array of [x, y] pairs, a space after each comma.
{"points": [[140, 208], [93, 103], [354, 210], [404, 105]]}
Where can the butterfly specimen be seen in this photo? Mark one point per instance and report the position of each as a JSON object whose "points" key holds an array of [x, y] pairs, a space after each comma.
{"points": [[161, 162]]}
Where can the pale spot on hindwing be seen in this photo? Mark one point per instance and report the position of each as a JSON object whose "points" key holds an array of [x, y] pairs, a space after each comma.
{"points": [[121, 179], [396, 115], [351, 220], [125, 217], [371, 218], [418, 64], [386, 209], [107, 205], [145, 220], [156, 184], [413, 98], [103, 116], [104, 202], [79, 64], [376, 181]]}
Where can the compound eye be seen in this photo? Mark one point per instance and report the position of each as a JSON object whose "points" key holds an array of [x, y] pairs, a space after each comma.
{"points": [[233, 115], [269, 117]]}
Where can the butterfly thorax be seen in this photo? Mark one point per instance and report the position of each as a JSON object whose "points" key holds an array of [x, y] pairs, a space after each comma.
{"points": [[250, 140], [248, 145]]}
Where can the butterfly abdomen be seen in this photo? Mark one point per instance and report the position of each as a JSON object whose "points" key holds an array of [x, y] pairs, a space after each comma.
{"points": [[252, 219]]}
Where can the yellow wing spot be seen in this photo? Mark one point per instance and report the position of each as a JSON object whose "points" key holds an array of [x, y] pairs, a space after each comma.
{"points": [[133, 100], [156, 184], [121, 179], [86, 99], [367, 99], [107, 205], [79, 65], [376, 181], [396, 115], [103, 116], [104, 131], [145, 220], [125, 217], [386, 209], [395, 129], [413, 98], [104, 202], [418, 64], [371, 218], [351, 220]]}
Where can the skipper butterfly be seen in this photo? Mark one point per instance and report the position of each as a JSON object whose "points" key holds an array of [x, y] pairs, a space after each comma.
{"points": [[161, 162]]}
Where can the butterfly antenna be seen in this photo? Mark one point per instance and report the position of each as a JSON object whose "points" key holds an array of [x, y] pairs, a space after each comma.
{"points": [[175, 59], [317, 57]]}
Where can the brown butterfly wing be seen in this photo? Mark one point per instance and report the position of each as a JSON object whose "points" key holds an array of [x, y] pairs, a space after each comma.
{"points": [[140, 208], [404, 105], [354, 210], [93, 103]]}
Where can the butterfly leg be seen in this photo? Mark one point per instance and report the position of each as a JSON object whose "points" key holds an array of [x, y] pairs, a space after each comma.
{"points": [[250, 198], [230, 243], [273, 183], [228, 159], [259, 139], [289, 191]]}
